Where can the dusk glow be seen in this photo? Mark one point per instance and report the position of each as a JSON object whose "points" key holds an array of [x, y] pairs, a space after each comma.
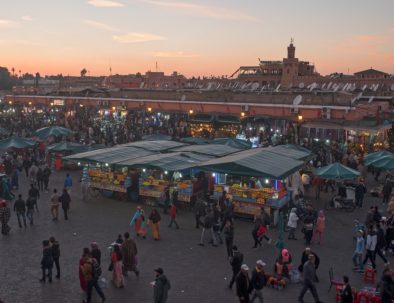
{"points": [[193, 37]]}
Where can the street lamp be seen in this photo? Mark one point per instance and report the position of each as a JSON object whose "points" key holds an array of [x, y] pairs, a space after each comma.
{"points": [[243, 114], [300, 117], [191, 112], [149, 109]]}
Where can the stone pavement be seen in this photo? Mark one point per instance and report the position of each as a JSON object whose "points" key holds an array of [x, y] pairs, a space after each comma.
{"points": [[197, 274]]}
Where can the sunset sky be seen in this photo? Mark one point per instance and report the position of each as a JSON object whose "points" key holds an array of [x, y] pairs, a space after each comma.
{"points": [[194, 37]]}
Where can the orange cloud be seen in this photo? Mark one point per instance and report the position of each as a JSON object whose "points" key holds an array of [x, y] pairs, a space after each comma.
{"points": [[105, 3], [137, 37]]}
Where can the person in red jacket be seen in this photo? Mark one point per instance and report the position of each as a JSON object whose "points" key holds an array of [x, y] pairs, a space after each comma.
{"points": [[173, 216]]}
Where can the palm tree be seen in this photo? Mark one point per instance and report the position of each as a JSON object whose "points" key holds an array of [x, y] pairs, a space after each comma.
{"points": [[13, 71]]}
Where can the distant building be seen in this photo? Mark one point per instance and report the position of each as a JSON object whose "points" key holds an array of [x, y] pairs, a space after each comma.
{"points": [[288, 72]]}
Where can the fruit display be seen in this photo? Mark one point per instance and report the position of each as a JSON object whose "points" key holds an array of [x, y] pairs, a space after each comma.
{"points": [[115, 181], [151, 187]]}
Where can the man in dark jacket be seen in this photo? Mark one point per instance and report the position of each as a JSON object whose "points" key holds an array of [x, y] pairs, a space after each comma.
{"points": [[243, 284], [236, 263], [20, 209], [55, 248], [347, 292], [35, 194], [161, 287], [65, 200], [309, 274], [258, 281], [209, 221], [387, 286], [387, 189], [304, 258], [380, 243], [360, 191], [46, 261]]}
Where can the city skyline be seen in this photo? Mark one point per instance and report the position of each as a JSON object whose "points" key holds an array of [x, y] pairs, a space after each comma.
{"points": [[195, 38]]}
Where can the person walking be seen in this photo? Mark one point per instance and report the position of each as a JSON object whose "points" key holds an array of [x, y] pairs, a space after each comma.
{"points": [[68, 183], [55, 248], [20, 209], [308, 229], [228, 232], [236, 262], [387, 286], [129, 253], [209, 221], [35, 194], [40, 179], [387, 189], [370, 247], [161, 286], [357, 257], [46, 174], [117, 272], [95, 252], [154, 220], [243, 283], [138, 220], [173, 213], [46, 261], [380, 244], [82, 281], [5, 215], [360, 191], [30, 203], [309, 274], [320, 227], [65, 200], [346, 292], [55, 205], [167, 199], [199, 211], [292, 223], [91, 271], [258, 281]]}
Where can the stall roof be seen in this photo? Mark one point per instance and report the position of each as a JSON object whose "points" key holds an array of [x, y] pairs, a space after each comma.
{"points": [[111, 155], [216, 150], [254, 163], [290, 151], [201, 118], [154, 146], [170, 161], [236, 143]]}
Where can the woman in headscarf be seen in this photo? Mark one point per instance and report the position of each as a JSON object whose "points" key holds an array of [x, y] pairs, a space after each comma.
{"points": [[154, 219], [138, 221], [320, 227], [117, 273], [5, 214], [283, 264]]}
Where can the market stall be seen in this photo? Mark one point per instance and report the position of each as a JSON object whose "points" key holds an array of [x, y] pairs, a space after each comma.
{"points": [[255, 179]]}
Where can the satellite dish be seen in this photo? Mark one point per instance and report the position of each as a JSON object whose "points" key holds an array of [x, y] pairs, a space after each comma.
{"points": [[297, 100], [392, 87], [277, 88], [301, 85], [345, 86], [183, 98], [364, 87], [255, 86], [376, 87], [329, 85]]}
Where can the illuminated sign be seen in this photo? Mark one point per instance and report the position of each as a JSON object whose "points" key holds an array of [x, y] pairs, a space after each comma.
{"points": [[58, 102]]}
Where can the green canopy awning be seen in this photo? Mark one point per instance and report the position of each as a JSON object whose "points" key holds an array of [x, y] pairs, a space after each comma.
{"points": [[16, 142], [216, 150], [291, 151], [110, 156], [66, 146], [376, 155], [154, 146], [254, 163], [383, 162], [236, 143], [336, 171], [166, 162], [56, 131]]}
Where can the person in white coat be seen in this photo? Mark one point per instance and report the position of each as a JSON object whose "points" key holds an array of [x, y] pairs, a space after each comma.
{"points": [[292, 223]]}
